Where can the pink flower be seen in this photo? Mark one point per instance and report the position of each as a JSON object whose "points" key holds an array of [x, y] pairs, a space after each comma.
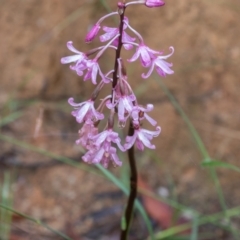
{"points": [[92, 33], [145, 53], [139, 113], [107, 136], [112, 32], [85, 111], [142, 137], [124, 106], [93, 69], [154, 3], [126, 39], [104, 152], [162, 67], [79, 59], [87, 131]]}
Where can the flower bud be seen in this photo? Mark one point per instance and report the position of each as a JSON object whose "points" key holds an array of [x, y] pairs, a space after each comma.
{"points": [[121, 7], [154, 3], [92, 33], [111, 120]]}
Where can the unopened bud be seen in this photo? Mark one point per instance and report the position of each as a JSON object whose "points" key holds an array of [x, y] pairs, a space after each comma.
{"points": [[111, 120], [124, 70], [122, 88], [96, 91], [92, 33], [121, 7], [154, 3]]}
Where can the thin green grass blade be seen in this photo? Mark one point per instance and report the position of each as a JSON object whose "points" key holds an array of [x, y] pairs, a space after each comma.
{"points": [[202, 236], [170, 202], [37, 221], [123, 222], [194, 233], [124, 172], [216, 163], [10, 118], [106, 6], [6, 199]]}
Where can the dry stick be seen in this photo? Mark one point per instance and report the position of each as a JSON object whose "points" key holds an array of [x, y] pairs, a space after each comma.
{"points": [[133, 187]]}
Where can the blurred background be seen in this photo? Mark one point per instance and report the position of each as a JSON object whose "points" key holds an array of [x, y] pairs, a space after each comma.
{"points": [[41, 171]]}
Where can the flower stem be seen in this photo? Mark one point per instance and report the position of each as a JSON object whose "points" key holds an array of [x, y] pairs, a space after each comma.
{"points": [[118, 51], [131, 157], [133, 187]]}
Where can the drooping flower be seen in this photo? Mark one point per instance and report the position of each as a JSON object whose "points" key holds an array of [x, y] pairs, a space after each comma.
{"points": [[104, 152], [112, 32], [87, 131], [142, 137], [154, 3], [126, 39], [162, 67], [145, 53], [124, 105], [85, 111], [123, 98], [139, 113], [79, 59], [92, 71], [108, 136]]}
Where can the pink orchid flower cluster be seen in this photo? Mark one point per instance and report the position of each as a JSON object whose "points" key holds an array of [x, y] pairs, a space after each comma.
{"points": [[101, 146]]}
